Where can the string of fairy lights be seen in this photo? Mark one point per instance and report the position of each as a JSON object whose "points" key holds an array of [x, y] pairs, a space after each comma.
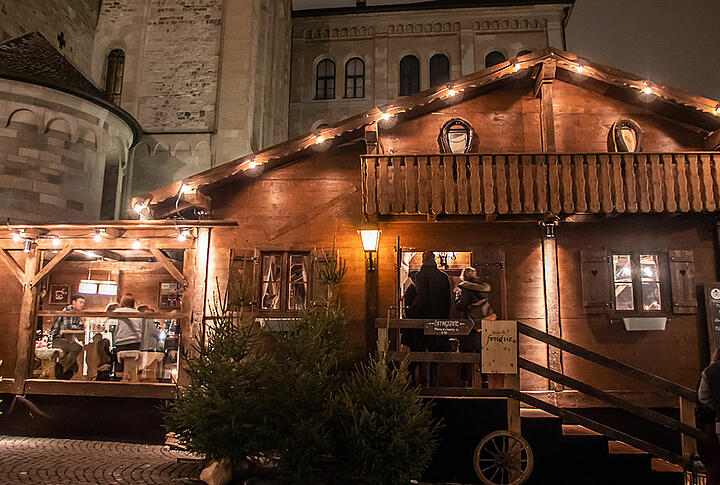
{"points": [[448, 92]]}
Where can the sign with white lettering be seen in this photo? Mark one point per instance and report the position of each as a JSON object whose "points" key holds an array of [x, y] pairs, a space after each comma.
{"points": [[712, 310], [499, 347], [447, 327]]}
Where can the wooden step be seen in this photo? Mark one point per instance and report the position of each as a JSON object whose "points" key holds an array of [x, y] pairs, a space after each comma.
{"points": [[577, 430], [620, 448], [535, 413], [659, 465]]}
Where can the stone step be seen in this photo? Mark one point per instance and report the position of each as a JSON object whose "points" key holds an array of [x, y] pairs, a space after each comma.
{"points": [[620, 448]]}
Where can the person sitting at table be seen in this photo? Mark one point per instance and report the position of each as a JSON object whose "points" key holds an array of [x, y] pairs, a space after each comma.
{"points": [[150, 341], [63, 336], [128, 331]]}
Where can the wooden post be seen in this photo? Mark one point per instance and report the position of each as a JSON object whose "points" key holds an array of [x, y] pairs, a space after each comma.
{"points": [[552, 298], [687, 416], [195, 269], [26, 323], [371, 304], [543, 89]]}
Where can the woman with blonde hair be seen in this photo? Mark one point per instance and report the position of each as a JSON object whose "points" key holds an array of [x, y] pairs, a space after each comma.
{"points": [[471, 298]]}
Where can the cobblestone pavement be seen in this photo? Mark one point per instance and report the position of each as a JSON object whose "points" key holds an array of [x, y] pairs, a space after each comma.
{"points": [[49, 461]]}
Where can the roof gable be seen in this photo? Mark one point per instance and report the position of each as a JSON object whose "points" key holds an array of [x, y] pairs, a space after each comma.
{"points": [[666, 101]]}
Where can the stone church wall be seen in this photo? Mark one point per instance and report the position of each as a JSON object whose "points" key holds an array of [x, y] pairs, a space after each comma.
{"points": [[53, 152], [74, 20]]}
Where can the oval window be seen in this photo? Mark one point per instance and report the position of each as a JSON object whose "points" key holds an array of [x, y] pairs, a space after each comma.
{"points": [[456, 136], [625, 136]]}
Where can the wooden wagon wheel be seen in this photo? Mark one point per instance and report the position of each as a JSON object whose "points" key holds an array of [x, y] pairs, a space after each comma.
{"points": [[503, 458]]}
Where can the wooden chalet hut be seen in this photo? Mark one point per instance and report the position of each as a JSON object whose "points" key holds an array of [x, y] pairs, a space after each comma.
{"points": [[585, 195]]}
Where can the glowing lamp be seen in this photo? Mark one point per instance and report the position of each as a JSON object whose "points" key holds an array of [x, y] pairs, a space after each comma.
{"points": [[55, 241], [186, 189], [370, 240], [385, 116], [136, 245], [647, 90], [579, 69], [183, 235], [88, 287], [516, 67], [107, 288], [139, 208], [16, 237], [28, 245], [253, 164], [320, 139], [452, 92]]}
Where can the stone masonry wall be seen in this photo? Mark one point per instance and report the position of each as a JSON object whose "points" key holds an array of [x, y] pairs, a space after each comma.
{"points": [[53, 149], [75, 19]]}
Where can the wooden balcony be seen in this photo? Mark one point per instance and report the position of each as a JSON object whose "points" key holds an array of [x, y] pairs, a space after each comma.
{"points": [[564, 183]]}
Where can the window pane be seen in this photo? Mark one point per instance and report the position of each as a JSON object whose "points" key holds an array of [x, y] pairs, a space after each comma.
{"points": [[271, 274], [297, 285], [409, 75], [622, 267], [494, 58], [649, 267], [624, 296], [439, 70], [651, 297]]}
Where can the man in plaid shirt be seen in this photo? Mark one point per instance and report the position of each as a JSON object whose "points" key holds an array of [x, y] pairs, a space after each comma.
{"points": [[67, 344]]}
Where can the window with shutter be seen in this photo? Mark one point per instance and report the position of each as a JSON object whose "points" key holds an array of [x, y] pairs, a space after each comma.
{"points": [[682, 281], [595, 282]]}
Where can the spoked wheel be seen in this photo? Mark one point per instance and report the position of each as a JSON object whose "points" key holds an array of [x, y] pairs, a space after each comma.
{"points": [[503, 458]]}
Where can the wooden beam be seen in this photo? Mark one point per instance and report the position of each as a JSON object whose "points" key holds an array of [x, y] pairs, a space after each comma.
{"points": [[155, 390], [156, 315], [198, 199], [712, 141], [59, 258], [168, 265], [141, 242], [552, 303], [26, 322], [546, 74], [547, 119], [12, 265]]}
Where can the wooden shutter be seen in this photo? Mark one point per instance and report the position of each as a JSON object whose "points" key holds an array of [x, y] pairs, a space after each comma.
{"points": [[245, 270], [595, 281], [682, 281], [490, 265]]}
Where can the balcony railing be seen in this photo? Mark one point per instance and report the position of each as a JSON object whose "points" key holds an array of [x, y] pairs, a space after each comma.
{"points": [[539, 183]]}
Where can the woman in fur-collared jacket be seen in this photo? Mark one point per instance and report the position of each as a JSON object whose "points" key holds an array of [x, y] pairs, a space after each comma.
{"points": [[471, 298]]}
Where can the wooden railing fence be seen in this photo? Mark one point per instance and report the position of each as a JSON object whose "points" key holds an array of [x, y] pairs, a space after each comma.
{"points": [[538, 183]]}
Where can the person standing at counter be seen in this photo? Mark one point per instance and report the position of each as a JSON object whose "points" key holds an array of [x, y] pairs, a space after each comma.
{"points": [[128, 330], [62, 336]]}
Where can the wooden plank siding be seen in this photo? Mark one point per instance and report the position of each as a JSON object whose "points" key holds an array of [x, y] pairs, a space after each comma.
{"points": [[585, 183]]}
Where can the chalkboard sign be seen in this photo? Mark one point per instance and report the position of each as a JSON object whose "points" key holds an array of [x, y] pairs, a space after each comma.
{"points": [[448, 327], [712, 311]]}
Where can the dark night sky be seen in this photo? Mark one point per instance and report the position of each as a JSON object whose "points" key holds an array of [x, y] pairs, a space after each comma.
{"points": [[674, 42]]}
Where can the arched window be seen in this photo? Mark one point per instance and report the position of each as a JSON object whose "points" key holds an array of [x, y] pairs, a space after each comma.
{"points": [[494, 58], [114, 75], [355, 78], [456, 136], [523, 52], [409, 75], [325, 82], [625, 136], [439, 69]]}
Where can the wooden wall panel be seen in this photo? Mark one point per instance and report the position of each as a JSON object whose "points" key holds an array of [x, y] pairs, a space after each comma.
{"points": [[10, 296], [654, 351], [583, 119]]}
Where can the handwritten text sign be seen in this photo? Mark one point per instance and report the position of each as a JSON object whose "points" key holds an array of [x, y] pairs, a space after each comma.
{"points": [[499, 347], [447, 327]]}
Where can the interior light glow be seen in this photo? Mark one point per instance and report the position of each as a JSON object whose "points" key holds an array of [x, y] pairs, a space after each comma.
{"points": [[139, 208], [88, 287], [717, 111], [580, 69], [370, 239], [186, 189], [183, 235], [452, 92], [253, 164], [55, 241], [16, 237], [107, 288], [136, 245], [99, 233]]}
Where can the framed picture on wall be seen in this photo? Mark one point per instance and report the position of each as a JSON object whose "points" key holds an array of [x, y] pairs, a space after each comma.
{"points": [[60, 294], [170, 295]]}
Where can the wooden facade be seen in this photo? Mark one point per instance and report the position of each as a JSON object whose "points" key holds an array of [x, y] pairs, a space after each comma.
{"points": [[540, 204]]}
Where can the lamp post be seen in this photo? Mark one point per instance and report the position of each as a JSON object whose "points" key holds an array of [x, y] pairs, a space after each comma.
{"points": [[370, 239]]}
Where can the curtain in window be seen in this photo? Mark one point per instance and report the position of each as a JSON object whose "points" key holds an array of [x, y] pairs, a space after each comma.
{"points": [[439, 70], [325, 83], [355, 78], [409, 75], [494, 58], [114, 75]]}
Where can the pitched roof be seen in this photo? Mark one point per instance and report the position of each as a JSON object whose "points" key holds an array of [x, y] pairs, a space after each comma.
{"points": [[666, 101], [32, 59]]}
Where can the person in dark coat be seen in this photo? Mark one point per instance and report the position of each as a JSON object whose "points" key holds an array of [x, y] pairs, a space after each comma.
{"points": [[412, 338], [471, 299], [431, 301], [708, 395]]}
